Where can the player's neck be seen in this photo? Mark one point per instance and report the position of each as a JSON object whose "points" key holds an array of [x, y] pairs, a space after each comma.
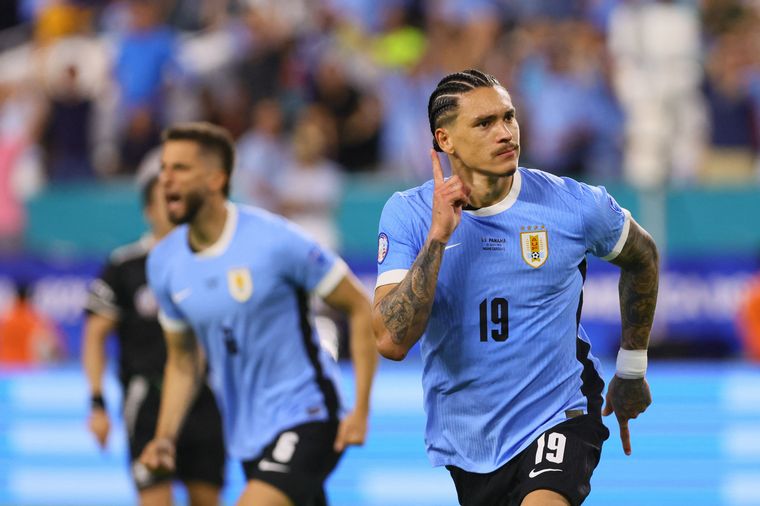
{"points": [[208, 224], [486, 189]]}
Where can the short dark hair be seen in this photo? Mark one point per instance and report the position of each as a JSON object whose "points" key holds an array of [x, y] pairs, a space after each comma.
{"points": [[209, 137], [146, 191], [444, 101]]}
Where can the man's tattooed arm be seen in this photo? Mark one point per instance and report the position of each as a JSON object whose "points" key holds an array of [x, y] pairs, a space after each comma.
{"points": [[639, 277], [401, 311]]}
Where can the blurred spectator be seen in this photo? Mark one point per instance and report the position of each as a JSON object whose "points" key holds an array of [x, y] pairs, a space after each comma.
{"points": [[12, 215], [67, 132], [261, 157], [357, 113], [9, 14], [79, 131], [405, 131], [748, 320], [721, 16], [400, 44], [570, 115], [656, 49], [60, 18], [196, 15], [272, 34], [26, 336], [607, 88], [462, 31], [731, 154], [146, 58], [20, 171], [310, 186]]}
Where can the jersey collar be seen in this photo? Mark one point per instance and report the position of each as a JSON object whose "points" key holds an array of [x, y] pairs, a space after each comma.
{"points": [[221, 244], [505, 203]]}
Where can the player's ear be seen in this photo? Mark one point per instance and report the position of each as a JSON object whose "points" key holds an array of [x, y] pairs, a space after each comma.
{"points": [[218, 179], [443, 139]]}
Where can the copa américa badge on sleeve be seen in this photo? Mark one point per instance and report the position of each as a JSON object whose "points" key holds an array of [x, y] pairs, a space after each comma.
{"points": [[382, 247]]}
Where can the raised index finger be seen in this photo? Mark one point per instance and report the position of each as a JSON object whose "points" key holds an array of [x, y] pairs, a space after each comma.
{"points": [[437, 169]]}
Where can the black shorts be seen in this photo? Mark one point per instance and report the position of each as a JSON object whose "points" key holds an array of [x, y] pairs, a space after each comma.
{"points": [[297, 462], [200, 445], [562, 459]]}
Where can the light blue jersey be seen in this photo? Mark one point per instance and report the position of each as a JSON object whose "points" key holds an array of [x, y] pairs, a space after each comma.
{"points": [[246, 300], [504, 355]]}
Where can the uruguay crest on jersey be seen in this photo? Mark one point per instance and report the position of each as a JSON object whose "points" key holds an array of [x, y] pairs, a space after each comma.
{"points": [[240, 283], [534, 245]]}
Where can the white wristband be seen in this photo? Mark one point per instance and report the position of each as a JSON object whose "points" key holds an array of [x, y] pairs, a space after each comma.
{"points": [[631, 364]]}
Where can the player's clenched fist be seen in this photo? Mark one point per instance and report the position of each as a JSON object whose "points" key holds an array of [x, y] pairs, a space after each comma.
{"points": [[158, 455], [449, 197]]}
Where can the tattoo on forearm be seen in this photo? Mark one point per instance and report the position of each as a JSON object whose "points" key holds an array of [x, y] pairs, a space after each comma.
{"points": [[408, 306], [639, 279]]}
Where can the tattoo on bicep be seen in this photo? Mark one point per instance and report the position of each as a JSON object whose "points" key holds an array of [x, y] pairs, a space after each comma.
{"points": [[639, 278], [408, 305]]}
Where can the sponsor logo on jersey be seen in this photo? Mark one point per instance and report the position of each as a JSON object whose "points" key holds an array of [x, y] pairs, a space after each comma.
{"points": [[240, 283], [533, 473], [534, 245], [382, 247], [181, 295]]}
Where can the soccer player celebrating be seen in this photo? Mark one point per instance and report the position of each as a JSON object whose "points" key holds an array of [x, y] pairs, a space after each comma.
{"points": [[120, 300], [237, 280], [486, 270]]}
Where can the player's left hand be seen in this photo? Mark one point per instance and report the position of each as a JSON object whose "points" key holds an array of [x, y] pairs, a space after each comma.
{"points": [[351, 431], [627, 398], [159, 455]]}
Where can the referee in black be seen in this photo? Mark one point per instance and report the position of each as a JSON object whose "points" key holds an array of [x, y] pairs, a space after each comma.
{"points": [[119, 299]]}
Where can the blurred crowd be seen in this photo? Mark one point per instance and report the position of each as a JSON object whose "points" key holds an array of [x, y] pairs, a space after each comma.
{"points": [[647, 92]]}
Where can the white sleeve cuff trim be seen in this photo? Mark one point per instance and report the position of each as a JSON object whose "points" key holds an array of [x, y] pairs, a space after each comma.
{"points": [[623, 237], [391, 277], [101, 307], [331, 280], [170, 324]]}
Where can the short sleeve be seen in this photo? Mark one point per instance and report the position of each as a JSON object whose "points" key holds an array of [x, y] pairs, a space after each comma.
{"points": [[396, 246], [605, 223], [169, 315], [103, 294], [309, 265]]}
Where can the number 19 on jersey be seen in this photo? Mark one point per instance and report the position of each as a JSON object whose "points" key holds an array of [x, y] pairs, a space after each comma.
{"points": [[499, 317]]}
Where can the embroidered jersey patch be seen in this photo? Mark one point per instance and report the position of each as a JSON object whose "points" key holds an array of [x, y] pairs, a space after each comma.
{"points": [[382, 247], [240, 283], [534, 245]]}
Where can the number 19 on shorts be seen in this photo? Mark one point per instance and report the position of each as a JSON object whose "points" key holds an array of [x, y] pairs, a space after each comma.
{"points": [[494, 319]]}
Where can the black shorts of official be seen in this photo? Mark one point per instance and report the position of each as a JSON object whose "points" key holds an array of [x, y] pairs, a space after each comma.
{"points": [[297, 462], [200, 454], [577, 442]]}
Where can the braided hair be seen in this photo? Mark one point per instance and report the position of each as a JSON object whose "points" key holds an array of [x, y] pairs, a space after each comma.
{"points": [[444, 101]]}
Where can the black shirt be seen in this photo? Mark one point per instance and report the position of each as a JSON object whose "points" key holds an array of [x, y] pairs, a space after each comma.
{"points": [[121, 293]]}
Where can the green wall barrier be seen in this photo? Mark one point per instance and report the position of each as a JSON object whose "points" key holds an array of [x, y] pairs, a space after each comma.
{"points": [[83, 219], [92, 219]]}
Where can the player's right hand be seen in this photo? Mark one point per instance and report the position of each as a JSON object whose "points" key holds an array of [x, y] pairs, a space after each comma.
{"points": [[158, 455], [627, 398], [100, 425], [449, 197]]}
